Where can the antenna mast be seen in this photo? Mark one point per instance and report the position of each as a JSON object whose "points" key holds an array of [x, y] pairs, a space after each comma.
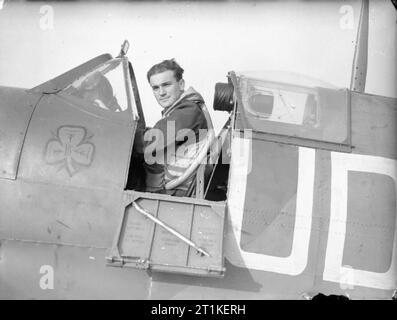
{"points": [[360, 62]]}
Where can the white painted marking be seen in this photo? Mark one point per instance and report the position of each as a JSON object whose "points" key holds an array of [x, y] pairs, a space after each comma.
{"points": [[342, 163], [296, 262]]}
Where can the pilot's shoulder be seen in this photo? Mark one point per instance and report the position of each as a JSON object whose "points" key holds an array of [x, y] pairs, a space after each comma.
{"points": [[188, 106]]}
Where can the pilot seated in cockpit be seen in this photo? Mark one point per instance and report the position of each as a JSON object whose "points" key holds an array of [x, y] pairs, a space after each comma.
{"points": [[182, 109]]}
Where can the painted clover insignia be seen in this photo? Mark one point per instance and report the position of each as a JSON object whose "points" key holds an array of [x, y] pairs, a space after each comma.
{"points": [[70, 148]]}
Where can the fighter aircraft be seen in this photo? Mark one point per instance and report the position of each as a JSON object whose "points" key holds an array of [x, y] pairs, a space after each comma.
{"points": [[300, 199]]}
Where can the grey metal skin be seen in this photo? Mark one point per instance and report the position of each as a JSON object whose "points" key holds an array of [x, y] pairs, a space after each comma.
{"points": [[63, 214], [16, 107]]}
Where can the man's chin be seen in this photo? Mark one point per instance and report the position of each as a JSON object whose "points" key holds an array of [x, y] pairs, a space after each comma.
{"points": [[165, 104]]}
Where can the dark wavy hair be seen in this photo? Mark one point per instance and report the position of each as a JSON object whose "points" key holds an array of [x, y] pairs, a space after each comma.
{"points": [[164, 66]]}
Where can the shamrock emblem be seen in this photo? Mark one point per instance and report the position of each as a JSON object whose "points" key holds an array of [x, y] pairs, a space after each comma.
{"points": [[70, 148]]}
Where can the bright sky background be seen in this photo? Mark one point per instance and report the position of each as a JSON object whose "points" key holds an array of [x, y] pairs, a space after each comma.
{"points": [[314, 38]]}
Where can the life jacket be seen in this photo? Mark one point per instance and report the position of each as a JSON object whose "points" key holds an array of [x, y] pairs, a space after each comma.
{"points": [[180, 161], [185, 153]]}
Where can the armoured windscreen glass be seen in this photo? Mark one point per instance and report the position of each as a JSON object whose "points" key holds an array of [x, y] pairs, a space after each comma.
{"points": [[103, 87]]}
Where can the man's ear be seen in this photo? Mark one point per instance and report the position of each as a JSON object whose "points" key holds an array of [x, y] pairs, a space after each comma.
{"points": [[182, 84]]}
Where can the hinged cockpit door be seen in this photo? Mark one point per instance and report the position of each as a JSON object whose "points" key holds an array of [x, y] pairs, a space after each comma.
{"points": [[181, 235]]}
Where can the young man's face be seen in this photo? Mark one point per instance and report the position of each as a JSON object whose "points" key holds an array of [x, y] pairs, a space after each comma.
{"points": [[166, 88]]}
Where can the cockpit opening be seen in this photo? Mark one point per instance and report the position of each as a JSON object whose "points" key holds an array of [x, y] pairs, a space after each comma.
{"points": [[208, 181]]}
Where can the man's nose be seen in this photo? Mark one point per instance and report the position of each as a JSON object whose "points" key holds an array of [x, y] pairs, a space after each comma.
{"points": [[162, 92]]}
